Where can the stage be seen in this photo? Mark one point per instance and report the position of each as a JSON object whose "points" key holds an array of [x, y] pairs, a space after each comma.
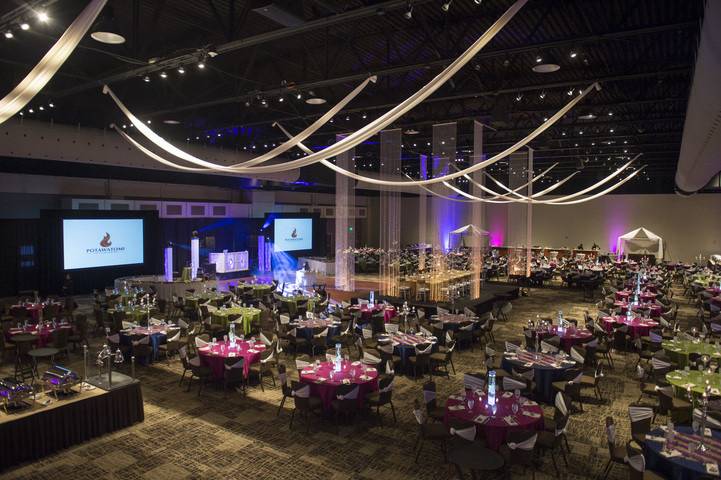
{"points": [[490, 294]]}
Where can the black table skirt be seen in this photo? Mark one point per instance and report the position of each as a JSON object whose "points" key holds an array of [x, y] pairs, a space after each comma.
{"points": [[46, 431]]}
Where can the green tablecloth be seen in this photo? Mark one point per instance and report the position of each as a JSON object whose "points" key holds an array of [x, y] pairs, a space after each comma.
{"points": [[185, 274], [680, 379], [678, 351], [292, 303], [705, 280], [248, 316], [214, 297], [138, 315], [259, 289]]}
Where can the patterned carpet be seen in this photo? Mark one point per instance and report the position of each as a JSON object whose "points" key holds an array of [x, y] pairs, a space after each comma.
{"points": [[217, 436]]}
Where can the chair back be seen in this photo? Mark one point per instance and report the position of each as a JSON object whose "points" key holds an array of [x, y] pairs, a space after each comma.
{"points": [[429, 395], [522, 444], [641, 418]]}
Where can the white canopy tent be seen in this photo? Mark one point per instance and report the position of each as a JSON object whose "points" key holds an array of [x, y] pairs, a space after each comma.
{"points": [[469, 230], [640, 241]]}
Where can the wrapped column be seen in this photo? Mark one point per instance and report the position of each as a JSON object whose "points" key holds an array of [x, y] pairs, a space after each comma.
{"points": [[344, 222], [390, 213]]}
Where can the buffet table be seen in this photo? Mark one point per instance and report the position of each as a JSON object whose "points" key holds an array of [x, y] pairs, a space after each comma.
{"points": [[38, 431]]}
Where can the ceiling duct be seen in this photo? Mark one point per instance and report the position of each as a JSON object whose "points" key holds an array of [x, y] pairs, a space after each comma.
{"points": [[286, 13]]}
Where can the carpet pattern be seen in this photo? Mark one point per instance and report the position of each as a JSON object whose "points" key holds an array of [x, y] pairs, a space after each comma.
{"points": [[230, 436]]}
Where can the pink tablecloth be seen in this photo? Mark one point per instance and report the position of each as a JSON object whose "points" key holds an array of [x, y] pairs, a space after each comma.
{"points": [[624, 295], [324, 382], [637, 326], [495, 427], [656, 310], [367, 312], [716, 301], [571, 336], [34, 309], [214, 356], [44, 335]]}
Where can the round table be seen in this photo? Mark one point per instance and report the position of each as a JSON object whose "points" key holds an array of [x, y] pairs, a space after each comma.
{"points": [[495, 425], [404, 344], [42, 336], [624, 295], [215, 298], [248, 315], [214, 356], [691, 464], [158, 336], [305, 328], [367, 312], [324, 381], [656, 310], [637, 326], [259, 289], [136, 314], [679, 350], [682, 379], [34, 309], [569, 336], [547, 369], [292, 303], [39, 353]]}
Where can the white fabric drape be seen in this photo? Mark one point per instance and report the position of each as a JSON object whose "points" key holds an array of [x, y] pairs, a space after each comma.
{"points": [[637, 414], [360, 135], [527, 444], [473, 382], [510, 384], [468, 433], [48, 66]]}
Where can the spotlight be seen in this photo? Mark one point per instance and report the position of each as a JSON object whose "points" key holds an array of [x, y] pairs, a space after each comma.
{"points": [[542, 95], [9, 34], [146, 79], [570, 92], [51, 105], [347, 118], [477, 2], [539, 59], [181, 70], [610, 114], [149, 122], [201, 65], [446, 5], [43, 17], [24, 26], [519, 96], [364, 116], [298, 95], [106, 29], [247, 103], [30, 110], [280, 99], [612, 130], [41, 108], [163, 75], [573, 54]]}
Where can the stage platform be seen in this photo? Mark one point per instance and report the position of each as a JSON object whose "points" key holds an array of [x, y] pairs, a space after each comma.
{"points": [[490, 294]]}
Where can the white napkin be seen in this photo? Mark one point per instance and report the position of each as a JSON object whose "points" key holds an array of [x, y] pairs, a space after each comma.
{"points": [[456, 397], [671, 454], [455, 408], [510, 420], [712, 469], [481, 419], [531, 414]]}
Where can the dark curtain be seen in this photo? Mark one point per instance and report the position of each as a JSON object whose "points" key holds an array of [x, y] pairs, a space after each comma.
{"points": [[18, 256]]}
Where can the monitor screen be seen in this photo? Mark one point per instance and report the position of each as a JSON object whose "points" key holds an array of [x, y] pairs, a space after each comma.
{"points": [[292, 234], [106, 242]]}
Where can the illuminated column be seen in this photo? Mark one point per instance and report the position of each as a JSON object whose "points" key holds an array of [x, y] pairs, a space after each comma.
{"points": [[478, 212], [445, 213], [520, 171], [168, 264], [194, 256], [390, 213], [344, 222], [422, 214]]}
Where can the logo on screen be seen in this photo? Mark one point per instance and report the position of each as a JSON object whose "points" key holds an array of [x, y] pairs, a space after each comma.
{"points": [[294, 234], [105, 242]]}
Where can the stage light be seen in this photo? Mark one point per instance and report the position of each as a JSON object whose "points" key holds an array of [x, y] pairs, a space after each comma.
{"points": [[30, 110], [41, 107], [570, 92], [519, 96], [280, 99], [163, 75], [539, 59], [408, 14], [9, 34], [364, 116], [610, 114], [542, 95], [124, 126], [181, 70], [43, 17], [24, 26], [611, 130], [298, 95], [573, 54], [149, 122], [477, 2]]}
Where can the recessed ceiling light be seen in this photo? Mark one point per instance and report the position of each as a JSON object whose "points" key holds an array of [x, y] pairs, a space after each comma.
{"points": [[163, 75], [201, 65], [171, 122], [588, 116], [315, 101], [24, 26], [181, 70], [9, 34], [108, 37], [146, 78], [546, 68]]}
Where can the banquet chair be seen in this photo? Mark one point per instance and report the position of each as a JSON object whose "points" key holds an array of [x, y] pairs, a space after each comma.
{"points": [[297, 343], [641, 418], [233, 374], [319, 340], [7, 349], [114, 344], [79, 334], [591, 380], [616, 453], [554, 440], [388, 359], [433, 411], [172, 344], [443, 359], [422, 360], [304, 403], [384, 396], [345, 403], [677, 408], [571, 385], [141, 348], [284, 387], [434, 432], [464, 334], [264, 367], [60, 341], [197, 370], [519, 449], [377, 323], [637, 464]]}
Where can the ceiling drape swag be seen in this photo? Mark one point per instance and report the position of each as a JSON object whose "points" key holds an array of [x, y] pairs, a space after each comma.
{"points": [[48, 66]]}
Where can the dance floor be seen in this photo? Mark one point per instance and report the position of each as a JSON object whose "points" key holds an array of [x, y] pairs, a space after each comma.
{"points": [[217, 437]]}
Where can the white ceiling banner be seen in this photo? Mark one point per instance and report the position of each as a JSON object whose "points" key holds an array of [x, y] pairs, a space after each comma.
{"points": [[48, 66]]}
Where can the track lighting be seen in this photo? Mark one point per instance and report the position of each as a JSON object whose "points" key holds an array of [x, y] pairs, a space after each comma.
{"points": [[146, 79], [408, 14], [573, 54], [539, 58], [519, 96], [163, 75], [201, 65], [181, 70], [43, 17], [9, 34], [24, 26]]}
